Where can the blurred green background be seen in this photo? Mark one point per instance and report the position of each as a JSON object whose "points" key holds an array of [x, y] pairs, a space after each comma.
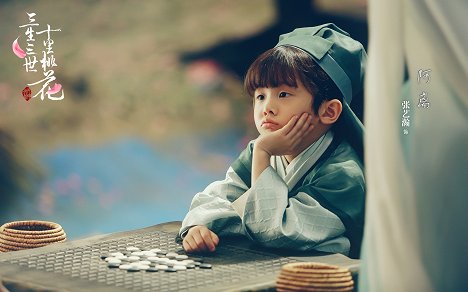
{"points": [[138, 132]]}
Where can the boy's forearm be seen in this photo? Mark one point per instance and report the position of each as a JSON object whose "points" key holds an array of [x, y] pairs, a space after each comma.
{"points": [[260, 161]]}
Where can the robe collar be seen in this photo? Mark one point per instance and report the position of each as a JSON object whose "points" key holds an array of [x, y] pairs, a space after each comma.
{"points": [[291, 173]]}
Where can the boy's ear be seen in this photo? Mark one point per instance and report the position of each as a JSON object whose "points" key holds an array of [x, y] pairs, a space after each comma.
{"points": [[330, 111]]}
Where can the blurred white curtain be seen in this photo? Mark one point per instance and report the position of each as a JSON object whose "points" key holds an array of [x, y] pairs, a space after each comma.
{"points": [[417, 183]]}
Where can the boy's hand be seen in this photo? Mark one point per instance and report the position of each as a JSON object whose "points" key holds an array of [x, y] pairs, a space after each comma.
{"points": [[200, 239], [286, 140]]}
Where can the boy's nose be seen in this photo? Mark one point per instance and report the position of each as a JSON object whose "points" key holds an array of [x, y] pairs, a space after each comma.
{"points": [[270, 107], [269, 111]]}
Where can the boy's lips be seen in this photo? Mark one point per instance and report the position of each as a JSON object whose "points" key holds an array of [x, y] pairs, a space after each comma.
{"points": [[268, 124]]}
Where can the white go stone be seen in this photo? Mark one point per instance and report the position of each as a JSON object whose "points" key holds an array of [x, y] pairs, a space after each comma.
{"points": [[180, 263], [133, 258], [143, 267], [161, 267], [133, 269], [179, 268], [132, 248], [125, 267], [155, 250], [109, 259], [164, 260], [181, 257], [188, 261], [110, 265], [144, 263], [114, 261], [153, 259], [171, 262], [116, 254], [137, 253], [171, 254]]}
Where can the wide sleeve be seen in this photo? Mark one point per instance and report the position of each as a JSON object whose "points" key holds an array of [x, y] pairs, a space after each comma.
{"points": [[276, 218], [339, 186], [212, 207]]}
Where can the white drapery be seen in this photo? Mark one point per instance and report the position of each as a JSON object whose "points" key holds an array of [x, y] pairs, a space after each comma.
{"points": [[417, 183]]}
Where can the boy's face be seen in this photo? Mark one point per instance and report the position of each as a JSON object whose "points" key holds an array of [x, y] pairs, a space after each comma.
{"points": [[275, 106]]}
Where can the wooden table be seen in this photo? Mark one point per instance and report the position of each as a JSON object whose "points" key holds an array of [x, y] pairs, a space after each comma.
{"points": [[238, 265]]}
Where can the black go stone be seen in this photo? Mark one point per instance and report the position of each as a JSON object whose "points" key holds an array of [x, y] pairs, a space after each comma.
{"points": [[170, 270], [152, 270]]}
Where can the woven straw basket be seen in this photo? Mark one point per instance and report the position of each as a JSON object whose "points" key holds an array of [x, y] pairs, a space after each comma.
{"points": [[316, 277], [20, 235]]}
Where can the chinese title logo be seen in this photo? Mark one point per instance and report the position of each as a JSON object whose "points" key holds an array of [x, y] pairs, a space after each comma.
{"points": [[33, 60]]}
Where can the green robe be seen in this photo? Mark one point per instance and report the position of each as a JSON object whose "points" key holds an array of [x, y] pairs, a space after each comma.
{"points": [[323, 209]]}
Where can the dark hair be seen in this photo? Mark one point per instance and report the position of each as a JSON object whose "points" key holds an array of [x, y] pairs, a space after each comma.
{"points": [[283, 65]]}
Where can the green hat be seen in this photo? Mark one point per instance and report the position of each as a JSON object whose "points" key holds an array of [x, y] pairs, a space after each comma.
{"points": [[341, 57]]}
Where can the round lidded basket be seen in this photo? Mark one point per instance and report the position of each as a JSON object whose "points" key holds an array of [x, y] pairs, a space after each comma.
{"points": [[314, 277], [20, 235]]}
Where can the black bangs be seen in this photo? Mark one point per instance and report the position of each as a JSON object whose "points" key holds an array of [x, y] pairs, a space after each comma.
{"points": [[285, 65], [273, 68]]}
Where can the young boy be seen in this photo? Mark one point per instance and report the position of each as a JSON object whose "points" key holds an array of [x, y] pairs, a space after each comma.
{"points": [[299, 185]]}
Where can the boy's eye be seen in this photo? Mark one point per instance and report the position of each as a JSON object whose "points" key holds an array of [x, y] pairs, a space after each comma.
{"points": [[260, 97], [284, 94]]}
